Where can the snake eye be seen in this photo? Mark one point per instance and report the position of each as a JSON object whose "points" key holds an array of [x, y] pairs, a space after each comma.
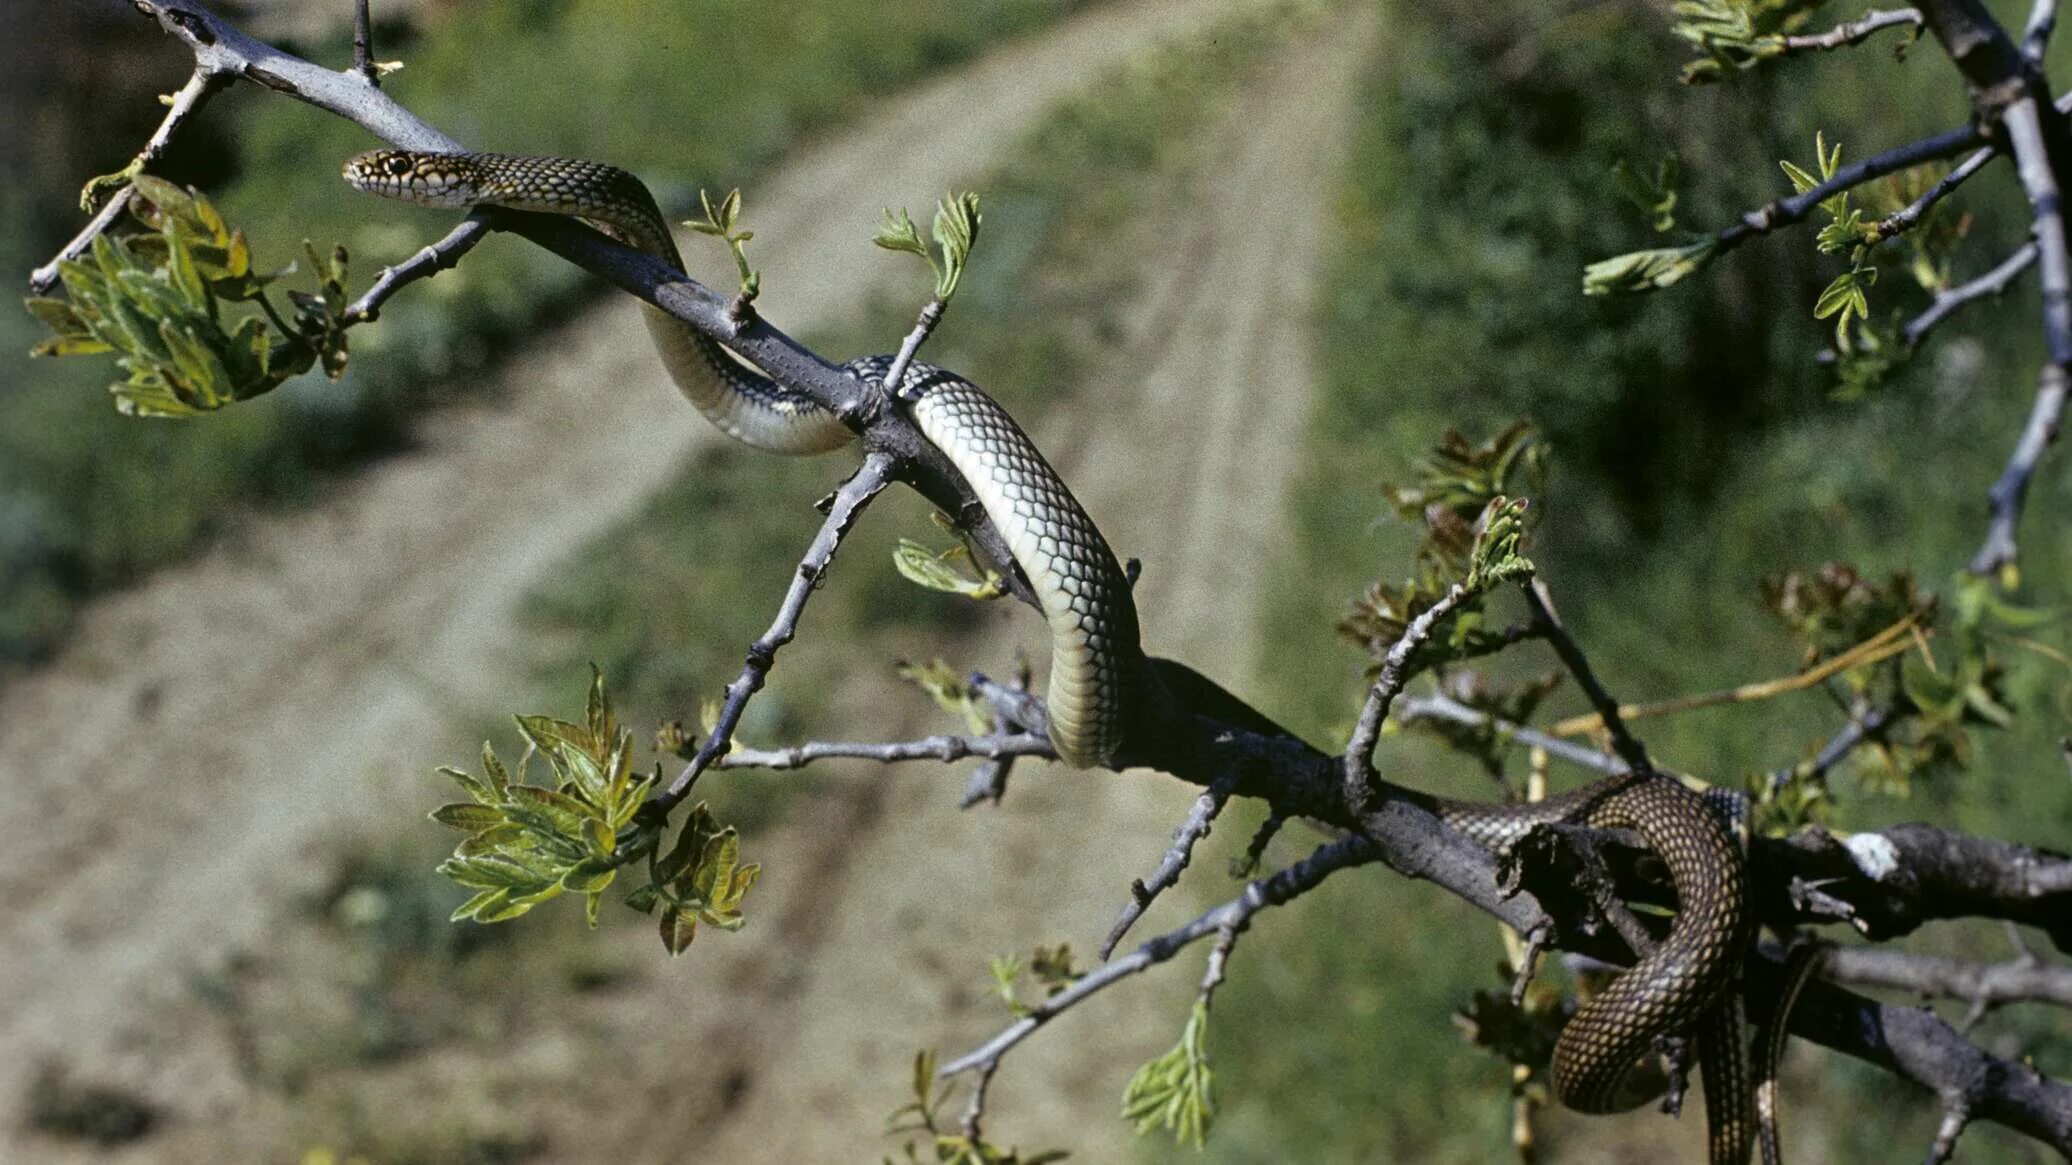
{"points": [[397, 165]]}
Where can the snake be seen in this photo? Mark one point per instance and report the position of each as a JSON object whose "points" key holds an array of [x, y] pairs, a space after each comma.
{"points": [[1099, 673]]}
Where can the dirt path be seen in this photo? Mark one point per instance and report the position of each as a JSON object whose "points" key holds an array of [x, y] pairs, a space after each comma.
{"points": [[1212, 384], [207, 728]]}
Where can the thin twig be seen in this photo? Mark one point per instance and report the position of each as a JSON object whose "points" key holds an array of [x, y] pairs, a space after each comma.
{"points": [[1992, 284], [2022, 979], [1906, 218], [849, 501], [204, 82], [363, 45], [936, 748], [975, 1107], [1443, 707], [1280, 888], [931, 315], [1219, 958], [1855, 31], [1255, 850], [1623, 741], [1895, 639], [1956, 1115], [1865, 726], [1786, 211], [1395, 672], [426, 263], [1199, 820], [2023, 120]]}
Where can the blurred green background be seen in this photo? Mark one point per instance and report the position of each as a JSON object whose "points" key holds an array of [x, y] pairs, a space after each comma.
{"points": [[1697, 444]]}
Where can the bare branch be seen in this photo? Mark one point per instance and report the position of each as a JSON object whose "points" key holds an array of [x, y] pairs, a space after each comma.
{"points": [[1395, 672], [1624, 743], [935, 748], [1992, 284], [1280, 888], [1199, 819], [1909, 216], [931, 315], [2023, 979], [1855, 31], [426, 263], [849, 501], [1440, 706], [2034, 162], [205, 81], [363, 45], [1865, 725]]}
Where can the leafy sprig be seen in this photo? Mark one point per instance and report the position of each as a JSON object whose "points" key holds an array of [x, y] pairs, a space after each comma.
{"points": [[1473, 529], [956, 570], [720, 222], [156, 299], [530, 843], [955, 230], [1174, 1091], [919, 1115]]}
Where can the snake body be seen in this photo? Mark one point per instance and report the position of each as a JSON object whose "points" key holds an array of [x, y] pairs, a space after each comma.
{"points": [[1097, 668]]}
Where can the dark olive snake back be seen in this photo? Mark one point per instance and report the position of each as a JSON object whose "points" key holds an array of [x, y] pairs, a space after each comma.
{"points": [[1098, 673]]}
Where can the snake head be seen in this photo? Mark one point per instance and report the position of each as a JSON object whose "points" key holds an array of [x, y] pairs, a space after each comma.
{"points": [[435, 180]]}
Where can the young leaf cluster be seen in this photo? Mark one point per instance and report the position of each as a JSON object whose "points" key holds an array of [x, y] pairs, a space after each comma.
{"points": [[157, 298], [1650, 270], [951, 690], [529, 843], [1736, 34], [1933, 702], [1846, 298], [1472, 534], [955, 229], [1052, 968], [1654, 194], [720, 222], [701, 879], [1173, 1091], [956, 570], [948, 1148]]}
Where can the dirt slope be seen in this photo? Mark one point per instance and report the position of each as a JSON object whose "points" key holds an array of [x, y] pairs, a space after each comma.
{"points": [[206, 728]]}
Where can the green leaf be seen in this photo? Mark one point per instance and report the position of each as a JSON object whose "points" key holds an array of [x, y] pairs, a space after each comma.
{"points": [[1649, 270], [1174, 1090], [898, 233], [956, 226], [468, 818], [678, 927], [950, 691]]}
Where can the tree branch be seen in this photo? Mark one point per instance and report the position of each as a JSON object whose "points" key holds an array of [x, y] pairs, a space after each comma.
{"points": [[1992, 284], [936, 748], [2025, 978], [363, 45], [1196, 827], [1855, 31], [204, 83], [426, 263], [849, 501], [1282, 887]]}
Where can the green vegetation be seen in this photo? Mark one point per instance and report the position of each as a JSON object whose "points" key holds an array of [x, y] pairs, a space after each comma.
{"points": [[1698, 448], [88, 501]]}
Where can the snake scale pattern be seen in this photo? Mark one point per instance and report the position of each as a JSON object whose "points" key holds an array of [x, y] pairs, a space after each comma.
{"points": [[1686, 983]]}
